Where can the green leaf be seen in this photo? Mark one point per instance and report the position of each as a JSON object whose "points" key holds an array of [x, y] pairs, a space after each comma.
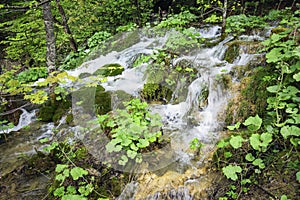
{"points": [[236, 141], [273, 89], [44, 140], [274, 55], [255, 141], [59, 192], [78, 172], [236, 126], [298, 176], [222, 144], [231, 171], [143, 143], [60, 167], [253, 123], [249, 157], [297, 76], [71, 189], [287, 131], [131, 154], [284, 197], [123, 160], [259, 162], [266, 139]]}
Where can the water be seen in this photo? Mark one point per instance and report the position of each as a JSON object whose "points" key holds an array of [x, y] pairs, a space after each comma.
{"points": [[26, 118], [195, 117]]}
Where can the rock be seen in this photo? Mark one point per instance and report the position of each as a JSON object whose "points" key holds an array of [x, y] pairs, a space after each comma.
{"points": [[84, 75], [109, 70], [102, 101]]}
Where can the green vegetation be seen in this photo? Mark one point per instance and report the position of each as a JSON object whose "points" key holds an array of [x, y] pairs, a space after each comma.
{"points": [[274, 141], [264, 137], [131, 130]]}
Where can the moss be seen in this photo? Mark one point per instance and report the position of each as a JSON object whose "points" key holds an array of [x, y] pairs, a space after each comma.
{"points": [[102, 101], [69, 119], [232, 52], [118, 97], [46, 113], [251, 98], [125, 40], [84, 75], [156, 92], [109, 70]]}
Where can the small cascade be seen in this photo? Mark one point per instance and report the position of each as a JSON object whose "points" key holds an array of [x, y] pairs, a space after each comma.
{"points": [[26, 118], [210, 32]]}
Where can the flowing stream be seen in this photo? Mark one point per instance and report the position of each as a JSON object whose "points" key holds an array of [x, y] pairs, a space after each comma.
{"points": [[200, 115]]}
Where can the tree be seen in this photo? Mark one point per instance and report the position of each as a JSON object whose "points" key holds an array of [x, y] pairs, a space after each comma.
{"points": [[50, 37], [67, 30]]}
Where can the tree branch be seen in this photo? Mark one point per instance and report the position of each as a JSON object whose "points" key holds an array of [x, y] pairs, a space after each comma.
{"points": [[14, 110]]}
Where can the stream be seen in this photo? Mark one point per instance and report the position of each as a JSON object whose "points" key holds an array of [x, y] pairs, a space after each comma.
{"points": [[171, 172]]}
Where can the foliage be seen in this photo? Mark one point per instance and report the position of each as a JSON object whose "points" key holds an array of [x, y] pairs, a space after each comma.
{"points": [[13, 86], [238, 24], [98, 38], [131, 130], [4, 126], [177, 21], [196, 144], [32, 74], [183, 41], [267, 139]]}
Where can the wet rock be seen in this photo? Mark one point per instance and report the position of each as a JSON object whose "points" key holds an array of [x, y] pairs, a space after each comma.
{"points": [[109, 70], [156, 92], [84, 75]]}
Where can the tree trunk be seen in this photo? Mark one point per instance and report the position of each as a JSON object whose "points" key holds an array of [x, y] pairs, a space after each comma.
{"points": [[50, 37], [67, 30], [224, 16]]}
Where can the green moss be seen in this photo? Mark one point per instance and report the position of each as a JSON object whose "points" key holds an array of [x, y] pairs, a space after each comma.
{"points": [[156, 92], [125, 40], [69, 119], [102, 101], [109, 70], [46, 113], [232, 52], [84, 75]]}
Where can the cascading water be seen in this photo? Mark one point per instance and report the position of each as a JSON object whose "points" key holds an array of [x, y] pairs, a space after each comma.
{"points": [[25, 119], [199, 115]]}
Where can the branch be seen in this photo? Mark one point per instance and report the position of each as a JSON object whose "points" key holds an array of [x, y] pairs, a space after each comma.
{"points": [[14, 110], [25, 7]]}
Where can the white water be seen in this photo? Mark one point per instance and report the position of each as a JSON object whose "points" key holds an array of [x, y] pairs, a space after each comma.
{"points": [[183, 121], [25, 119]]}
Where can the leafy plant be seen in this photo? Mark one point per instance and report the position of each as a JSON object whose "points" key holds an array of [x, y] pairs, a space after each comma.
{"points": [[32, 74], [196, 144], [131, 130], [238, 24], [98, 38], [259, 146], [177, 21]]}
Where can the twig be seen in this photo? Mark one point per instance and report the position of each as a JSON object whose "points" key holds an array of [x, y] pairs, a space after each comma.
{"points": [[14, 110]]}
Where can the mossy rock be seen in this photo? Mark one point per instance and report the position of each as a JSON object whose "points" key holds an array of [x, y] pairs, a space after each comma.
{"points": [[156, 92], [84, 75], [109, 70], [46, 113], [69, 119], [203, 98], [118, 97], [61, 110], [102, 101], [232, 52], [125, 40]]}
